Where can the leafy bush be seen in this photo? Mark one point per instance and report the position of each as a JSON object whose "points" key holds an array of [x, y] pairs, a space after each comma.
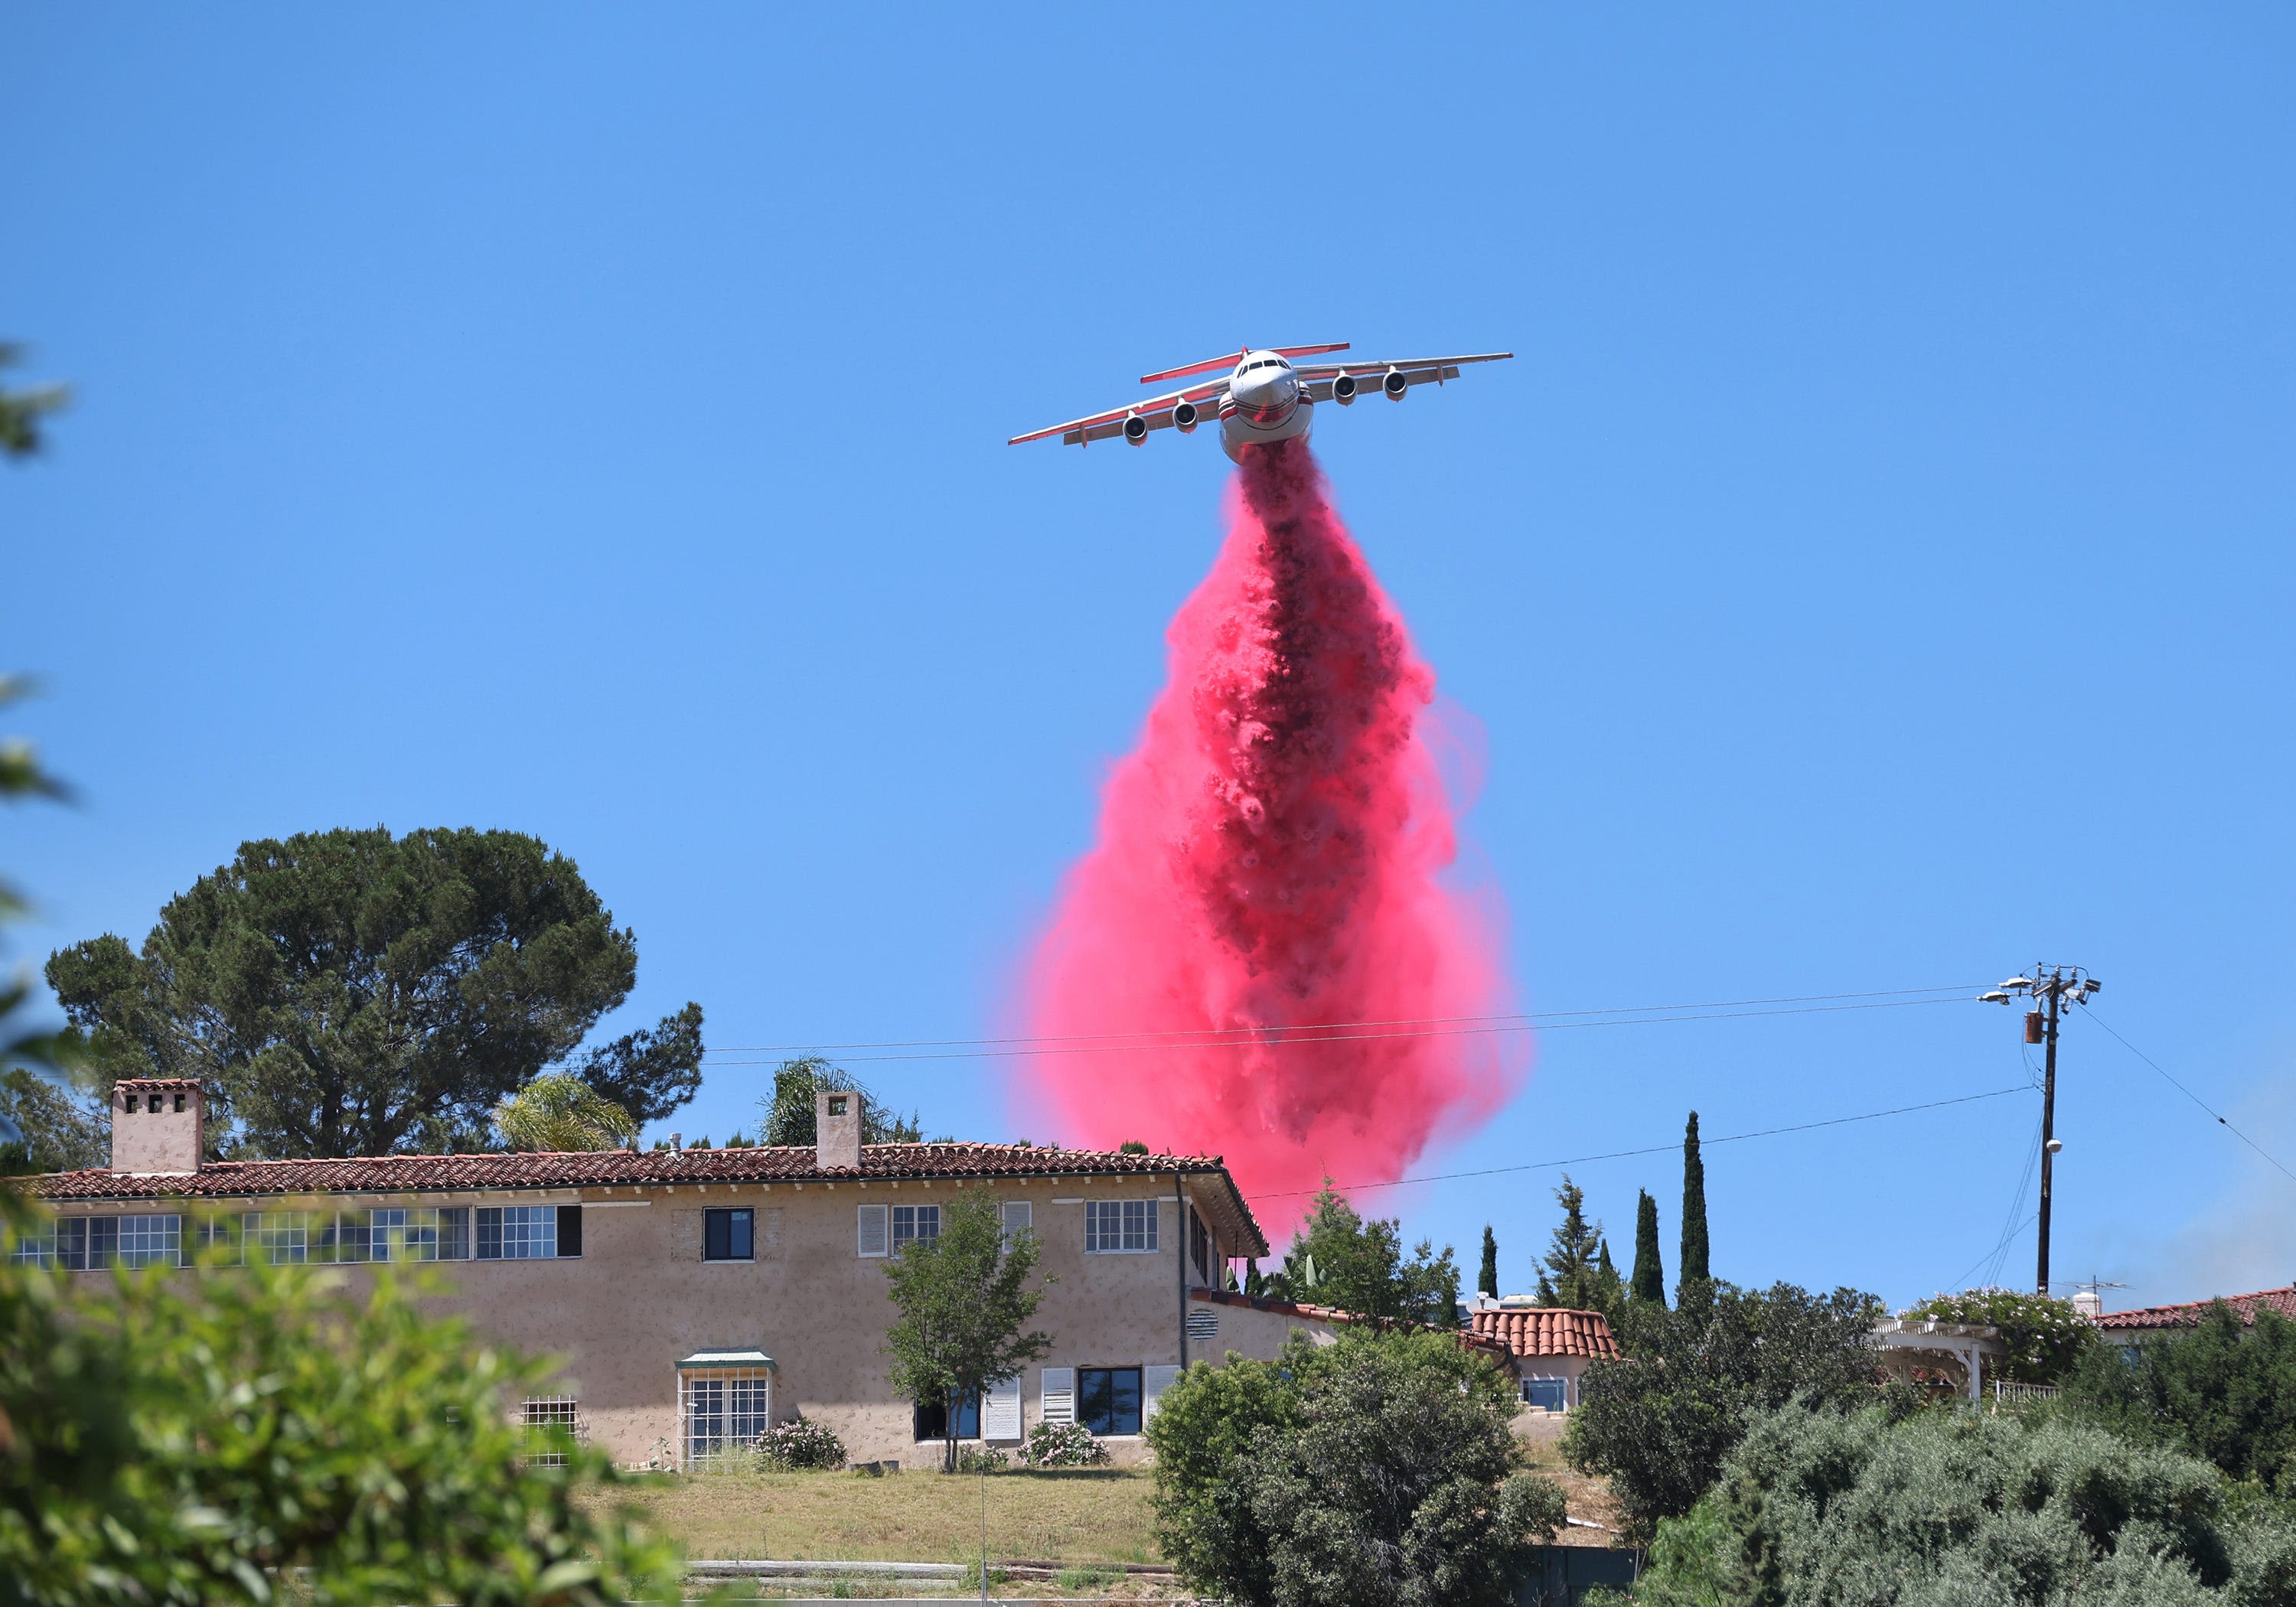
{"points": [[1061, 1445], [1660, 1425], [2224, 1391], [177, 1436], [798, 1444], [1827, 1509], [2045, 1338], [981, 1459], [1378, 1469]]}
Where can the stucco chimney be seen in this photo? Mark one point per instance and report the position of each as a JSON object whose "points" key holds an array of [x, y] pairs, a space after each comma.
{"points": [[2089, 1303], [157, 1125], [837, 1130]]}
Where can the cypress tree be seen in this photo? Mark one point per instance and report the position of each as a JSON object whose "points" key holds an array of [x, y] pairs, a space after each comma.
{"points": [[1650, 1275], [1487, 1282], [1694, 1268]]}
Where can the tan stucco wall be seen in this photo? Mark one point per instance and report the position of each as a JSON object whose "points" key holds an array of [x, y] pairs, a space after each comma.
{"points": [[639, 1297], [1259, 1335]]}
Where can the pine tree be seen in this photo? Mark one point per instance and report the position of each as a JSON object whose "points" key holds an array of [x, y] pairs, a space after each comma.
{"points": [[1487, 1282], [1572, 1277], [1694, 1269], [1649, 1277]]}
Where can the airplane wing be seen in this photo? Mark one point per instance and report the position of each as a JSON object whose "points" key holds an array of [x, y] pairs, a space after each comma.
{"points": [[1370, 375], [1156, 413]]}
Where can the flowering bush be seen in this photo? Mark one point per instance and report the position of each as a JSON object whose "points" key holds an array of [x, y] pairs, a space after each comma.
{"points": [[2044, 1337], [1061, 1445], [799, 1443]]}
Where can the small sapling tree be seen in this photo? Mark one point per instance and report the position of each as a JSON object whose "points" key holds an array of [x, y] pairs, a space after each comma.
{"points": [[965, 1298]]}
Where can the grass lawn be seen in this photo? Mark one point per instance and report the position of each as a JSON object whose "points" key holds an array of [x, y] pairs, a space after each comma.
{"points": [[1079, 1515]]}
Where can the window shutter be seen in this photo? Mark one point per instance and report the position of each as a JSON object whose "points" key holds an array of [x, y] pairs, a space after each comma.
{"points": [[570, 1230], [1153, 1382], [1000, 1417], [1019, 1218], [874, 1231], [1056, 1394]]}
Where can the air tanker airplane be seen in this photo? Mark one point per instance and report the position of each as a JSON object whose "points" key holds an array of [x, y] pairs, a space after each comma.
{"points": [[1264, 398]]}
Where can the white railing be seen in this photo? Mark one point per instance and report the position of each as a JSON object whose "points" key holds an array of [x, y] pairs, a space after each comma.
{"points": [[2005, 1393]]}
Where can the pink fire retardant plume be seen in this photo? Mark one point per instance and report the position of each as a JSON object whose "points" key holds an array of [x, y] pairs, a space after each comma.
{"points": [[1268, 860]]}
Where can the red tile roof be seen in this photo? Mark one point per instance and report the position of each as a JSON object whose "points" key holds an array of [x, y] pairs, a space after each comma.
{"points": [[1326, 1314], [1549, 1331], [619, 1168], [2189, 1313]]}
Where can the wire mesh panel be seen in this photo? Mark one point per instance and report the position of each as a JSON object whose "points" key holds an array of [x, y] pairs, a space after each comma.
{"points": [[725, 1409]]}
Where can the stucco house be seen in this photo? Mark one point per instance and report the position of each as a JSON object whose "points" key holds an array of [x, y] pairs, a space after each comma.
{"points": [[2139, 1324], [1550, 1347], [699, 1295]]}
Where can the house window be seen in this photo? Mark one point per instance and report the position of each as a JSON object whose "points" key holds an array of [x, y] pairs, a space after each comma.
{"points": [[1019, 1216], [1199, 1246], [1119, 1226], [932, 1419], [915, 1222], [551, 1423], [283, 1238], [725, 1409], [729, 1235], [414, 1234], [873, 1231], [152, 1240], [1547, 1394], [218, 1240], [1108, 1399], [35, 1246], [517, 1232], [346, 1237]]}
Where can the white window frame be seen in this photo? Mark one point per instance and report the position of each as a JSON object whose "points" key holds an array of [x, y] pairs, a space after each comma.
{"points": [[873, 1231], [152, 1240], [408, 1233], [1017, 1217], [743, 1401], [1109, 1224], [539, 1414], [918, 1216], [536, 1240], [276, 1238]]}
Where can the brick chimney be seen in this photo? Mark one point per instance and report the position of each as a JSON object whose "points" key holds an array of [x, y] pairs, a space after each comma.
{"points": [[837, 1130], [157, 1125]]}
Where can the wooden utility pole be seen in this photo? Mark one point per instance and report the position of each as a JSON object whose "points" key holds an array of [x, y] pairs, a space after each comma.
{"points": [[2051, 988]]}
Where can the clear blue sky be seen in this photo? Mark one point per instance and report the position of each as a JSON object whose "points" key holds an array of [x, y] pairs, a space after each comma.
{"points": [[1874, 571]]}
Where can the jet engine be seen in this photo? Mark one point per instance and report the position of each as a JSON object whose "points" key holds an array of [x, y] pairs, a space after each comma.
{"points": [[1344, 388], [1394, 384], [1135, 428], [1186, 416]]}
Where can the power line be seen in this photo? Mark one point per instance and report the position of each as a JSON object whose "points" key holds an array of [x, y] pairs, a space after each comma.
{"points": [[1656, 1149], [1337, 1032], [2195, 1098]]}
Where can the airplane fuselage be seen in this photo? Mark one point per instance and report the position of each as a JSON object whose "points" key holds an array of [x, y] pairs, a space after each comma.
{"points": [[1266, 403]]}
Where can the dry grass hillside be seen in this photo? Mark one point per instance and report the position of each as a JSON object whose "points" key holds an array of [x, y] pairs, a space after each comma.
{"points": [[1079, 1515]]}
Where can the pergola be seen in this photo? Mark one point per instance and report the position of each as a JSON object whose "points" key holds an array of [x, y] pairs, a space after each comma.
{"points": [[1900, 1339]]}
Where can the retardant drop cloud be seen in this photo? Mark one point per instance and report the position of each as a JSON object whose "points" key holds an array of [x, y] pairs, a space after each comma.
{"points": [[1267, 871]]}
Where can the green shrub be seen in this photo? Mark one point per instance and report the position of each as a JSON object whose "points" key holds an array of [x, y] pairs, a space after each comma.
{"points": [[1659, 1426], [2047, 1337], [181, 1436], [798, 1444], [981, 1459], [1378, 1469], [1827, 1509], [2224, 1391]]}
